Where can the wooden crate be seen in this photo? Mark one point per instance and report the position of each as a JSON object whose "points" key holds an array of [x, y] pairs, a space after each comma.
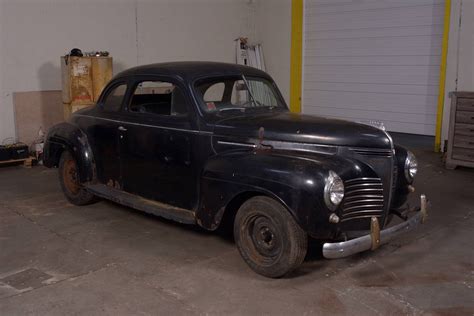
{"points": [[461, 131]]}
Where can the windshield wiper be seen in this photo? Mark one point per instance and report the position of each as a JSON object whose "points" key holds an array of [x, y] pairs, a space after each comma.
{"points": [[264, 108], [241, 109], [271, 107]]}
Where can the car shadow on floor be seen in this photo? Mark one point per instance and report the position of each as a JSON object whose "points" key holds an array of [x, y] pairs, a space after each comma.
{"points": [[224, 232]]}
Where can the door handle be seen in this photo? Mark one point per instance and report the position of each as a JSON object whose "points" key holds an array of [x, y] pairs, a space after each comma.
{"points": [[122, 129]]}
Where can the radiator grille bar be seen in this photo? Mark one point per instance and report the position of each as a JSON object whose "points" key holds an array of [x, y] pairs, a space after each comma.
{"points": [[363, 198]]}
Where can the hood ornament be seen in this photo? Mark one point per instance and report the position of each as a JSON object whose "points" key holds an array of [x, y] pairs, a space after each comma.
{"points": [[261, 145], [377, 124]]}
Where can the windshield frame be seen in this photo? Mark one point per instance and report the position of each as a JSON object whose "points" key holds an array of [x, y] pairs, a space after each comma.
{"points": [[201, 104]]}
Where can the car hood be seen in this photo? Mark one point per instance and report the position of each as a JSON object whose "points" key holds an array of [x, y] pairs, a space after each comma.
{"points": [[303, 129]]}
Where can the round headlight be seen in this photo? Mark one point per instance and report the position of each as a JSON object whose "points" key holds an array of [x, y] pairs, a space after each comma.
{"points": [[411, 166], [333, 190]]}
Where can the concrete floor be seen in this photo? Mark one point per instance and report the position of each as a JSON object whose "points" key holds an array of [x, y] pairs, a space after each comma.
{"points": [[58, 259]]}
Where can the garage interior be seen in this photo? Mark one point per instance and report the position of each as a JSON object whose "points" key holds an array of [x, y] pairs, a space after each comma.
{"points": [[395, 62]]}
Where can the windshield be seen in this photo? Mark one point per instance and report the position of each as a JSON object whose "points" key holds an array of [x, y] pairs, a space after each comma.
{"points": [[238, 93]]}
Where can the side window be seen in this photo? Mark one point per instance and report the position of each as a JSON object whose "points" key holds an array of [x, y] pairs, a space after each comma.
{"points": [[159, 98], [113, 100]]}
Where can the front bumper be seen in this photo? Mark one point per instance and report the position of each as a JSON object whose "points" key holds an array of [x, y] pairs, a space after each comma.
{"points": [[376, 237]]}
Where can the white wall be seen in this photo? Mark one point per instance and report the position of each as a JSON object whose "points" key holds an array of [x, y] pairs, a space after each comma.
{"points": [[460, 62], [174, 30], [33, 34], [273, 25]]}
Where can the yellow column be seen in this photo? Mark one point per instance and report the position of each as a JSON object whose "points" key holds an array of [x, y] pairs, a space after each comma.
{"points": [[296, 55], [442, 75]]}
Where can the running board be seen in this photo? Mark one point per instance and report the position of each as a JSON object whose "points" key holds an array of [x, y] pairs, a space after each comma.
{"points": [[148, 206]]}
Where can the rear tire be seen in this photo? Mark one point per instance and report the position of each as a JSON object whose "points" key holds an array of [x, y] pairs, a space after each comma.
{"points": [[268, 238], [69, 180]]}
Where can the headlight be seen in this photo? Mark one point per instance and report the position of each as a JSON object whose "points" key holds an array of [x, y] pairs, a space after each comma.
{"points": [[411, 166], [333, 190]]}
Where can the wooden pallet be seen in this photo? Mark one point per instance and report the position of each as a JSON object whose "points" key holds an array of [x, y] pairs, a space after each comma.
{"points": [[27, 162]]}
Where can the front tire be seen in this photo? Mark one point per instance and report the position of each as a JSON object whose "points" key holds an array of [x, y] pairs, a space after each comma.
{"points": [[268, 238], [69, 180]]}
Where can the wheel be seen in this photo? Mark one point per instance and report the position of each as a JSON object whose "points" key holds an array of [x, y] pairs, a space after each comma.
{"points": [[268, 238], [69, 180]]}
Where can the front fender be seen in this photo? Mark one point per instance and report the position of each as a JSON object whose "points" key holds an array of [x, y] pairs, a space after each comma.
{"points": [[68, 136], [296, 180]]}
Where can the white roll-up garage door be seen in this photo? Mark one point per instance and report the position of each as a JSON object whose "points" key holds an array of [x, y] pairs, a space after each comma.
{"points": [[374, 60]]}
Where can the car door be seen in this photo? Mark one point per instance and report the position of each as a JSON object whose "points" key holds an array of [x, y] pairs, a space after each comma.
{"points": [[104, 129], [157, 147]]}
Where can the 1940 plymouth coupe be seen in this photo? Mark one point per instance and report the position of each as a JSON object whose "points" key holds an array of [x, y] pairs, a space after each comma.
{"points": [[203, 143]]}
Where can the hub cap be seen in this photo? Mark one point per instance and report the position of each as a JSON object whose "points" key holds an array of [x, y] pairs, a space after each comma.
{"points": [[264, 237]]}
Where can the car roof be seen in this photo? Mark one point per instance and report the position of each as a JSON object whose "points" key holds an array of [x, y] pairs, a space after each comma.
{"points": [[191, 70]]}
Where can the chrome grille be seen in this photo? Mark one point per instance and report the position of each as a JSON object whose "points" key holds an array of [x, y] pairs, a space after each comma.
{"points": [[363, 199]]}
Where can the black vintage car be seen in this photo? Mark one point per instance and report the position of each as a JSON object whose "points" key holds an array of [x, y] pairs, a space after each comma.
{"points": [[206, 143]]}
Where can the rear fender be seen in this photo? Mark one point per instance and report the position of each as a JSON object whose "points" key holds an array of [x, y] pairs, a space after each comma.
{"points": [[67, 136]]}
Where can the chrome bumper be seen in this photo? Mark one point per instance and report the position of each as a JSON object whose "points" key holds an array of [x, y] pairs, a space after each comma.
{"points": [[376, 237]]}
